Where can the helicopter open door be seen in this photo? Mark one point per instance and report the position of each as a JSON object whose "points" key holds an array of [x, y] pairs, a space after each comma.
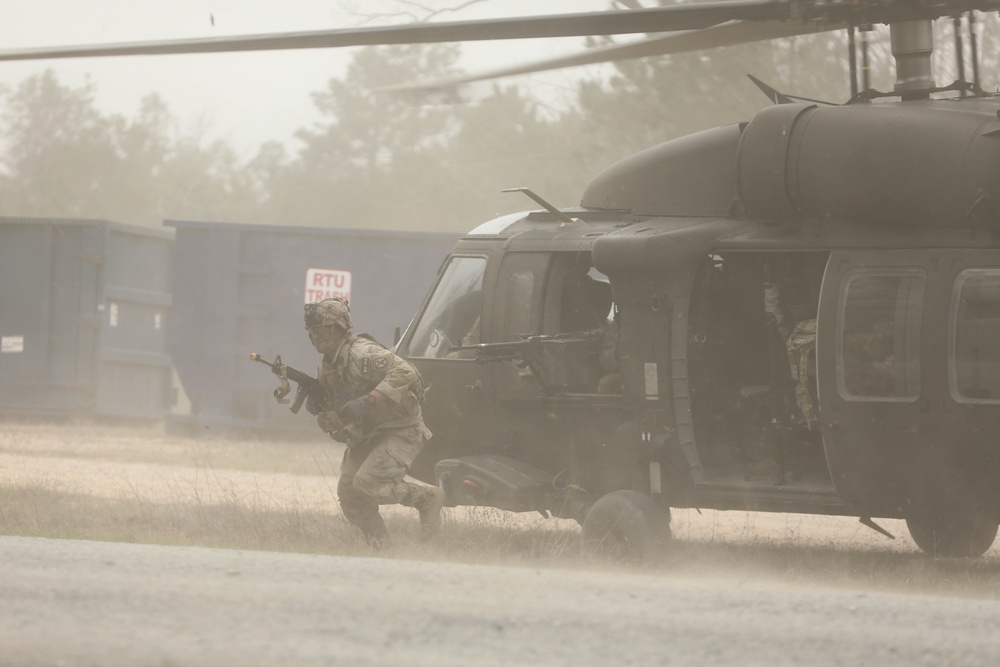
{"points": [[909, 380]]}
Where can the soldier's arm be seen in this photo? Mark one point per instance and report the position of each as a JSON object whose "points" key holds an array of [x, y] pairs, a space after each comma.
{"points": [[390, 374], [393, 374], [397, 380]]}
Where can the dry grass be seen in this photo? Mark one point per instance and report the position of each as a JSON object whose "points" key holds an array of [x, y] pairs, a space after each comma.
{"points": [[82, 481]]}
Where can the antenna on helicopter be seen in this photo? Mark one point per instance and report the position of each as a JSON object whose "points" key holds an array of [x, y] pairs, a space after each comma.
{"points": [[782, 98], [566, 220]]}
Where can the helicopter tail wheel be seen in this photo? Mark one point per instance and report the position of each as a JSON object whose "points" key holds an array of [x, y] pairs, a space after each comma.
{"points": [[626, 526], [956, 534]]}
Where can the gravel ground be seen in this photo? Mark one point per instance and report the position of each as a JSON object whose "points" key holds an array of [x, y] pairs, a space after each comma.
{"points": [[90, 603]]}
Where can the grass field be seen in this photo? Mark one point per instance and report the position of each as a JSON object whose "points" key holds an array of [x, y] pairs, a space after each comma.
{"points": [[132, 484]]}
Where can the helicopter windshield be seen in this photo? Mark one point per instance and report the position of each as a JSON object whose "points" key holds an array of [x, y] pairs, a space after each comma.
{"points": [[452, 315]]}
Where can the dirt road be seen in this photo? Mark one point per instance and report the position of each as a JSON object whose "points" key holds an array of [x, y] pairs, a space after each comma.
{"points": [[735, 593], [90, 603]]}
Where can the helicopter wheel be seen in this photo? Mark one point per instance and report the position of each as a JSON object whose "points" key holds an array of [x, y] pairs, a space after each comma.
{"points": [[626, 526], [959, 534]]}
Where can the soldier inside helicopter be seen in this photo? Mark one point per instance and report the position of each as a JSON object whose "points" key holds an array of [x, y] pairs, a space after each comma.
{"points": [[577, 311], [752, 364]]}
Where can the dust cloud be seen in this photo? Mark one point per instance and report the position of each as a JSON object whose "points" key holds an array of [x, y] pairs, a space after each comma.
{"points": [[275, 494]]}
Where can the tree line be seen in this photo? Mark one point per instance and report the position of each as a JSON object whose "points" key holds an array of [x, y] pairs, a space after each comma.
{"points": [[379, 161]]}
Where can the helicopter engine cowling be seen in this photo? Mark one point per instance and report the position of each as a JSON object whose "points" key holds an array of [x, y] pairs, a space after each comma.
{"points": [[927, 163], [689, 176]]}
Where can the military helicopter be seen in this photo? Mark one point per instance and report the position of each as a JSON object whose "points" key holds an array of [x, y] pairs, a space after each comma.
{"points": [[798, 313]]}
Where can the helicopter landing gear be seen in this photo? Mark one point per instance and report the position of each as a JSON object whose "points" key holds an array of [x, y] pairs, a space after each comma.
{"points": [[626, 526], [958, 534]]}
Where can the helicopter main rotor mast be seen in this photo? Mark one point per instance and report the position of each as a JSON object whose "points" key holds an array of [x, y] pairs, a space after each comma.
{"points": [[912, 46]]}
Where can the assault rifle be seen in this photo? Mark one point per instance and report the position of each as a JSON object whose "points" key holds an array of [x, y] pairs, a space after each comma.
{"points": [[307, 384], [526, 352]]}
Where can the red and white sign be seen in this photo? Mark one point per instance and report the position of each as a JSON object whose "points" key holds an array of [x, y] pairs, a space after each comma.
{"points": [[10, 344], [327, 283]]}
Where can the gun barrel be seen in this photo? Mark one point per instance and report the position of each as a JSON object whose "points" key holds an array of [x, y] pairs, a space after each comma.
{"points": [[256, 357]]}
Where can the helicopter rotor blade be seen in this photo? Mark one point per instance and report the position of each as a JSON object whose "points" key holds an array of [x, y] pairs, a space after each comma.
{"points": [[726, 34], [694, 16], [629, 21]]}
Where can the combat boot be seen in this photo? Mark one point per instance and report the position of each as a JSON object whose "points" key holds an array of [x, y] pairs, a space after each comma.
{"points": [[373, 529], [429, 507]]}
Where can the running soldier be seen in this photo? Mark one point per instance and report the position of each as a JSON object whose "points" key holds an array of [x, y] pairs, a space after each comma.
{"points": [[372, 403]]}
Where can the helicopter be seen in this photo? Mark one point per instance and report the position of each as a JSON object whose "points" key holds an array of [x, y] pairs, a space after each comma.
{"points": [[795, 313]]}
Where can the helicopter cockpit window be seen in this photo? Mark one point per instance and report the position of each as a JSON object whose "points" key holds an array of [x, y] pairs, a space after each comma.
{"points": [[452, 316], [974, 357], [878, 341]]}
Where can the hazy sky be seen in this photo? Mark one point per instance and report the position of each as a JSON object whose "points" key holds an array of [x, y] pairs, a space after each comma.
{"points": [[246, 98]]}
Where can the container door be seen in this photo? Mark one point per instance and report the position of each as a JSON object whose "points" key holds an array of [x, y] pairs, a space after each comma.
{"points": [[25, 291], [49, 352], [459, 405]]}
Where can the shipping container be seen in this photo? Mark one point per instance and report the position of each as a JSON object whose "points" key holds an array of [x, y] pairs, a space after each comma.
{"points": [[85, 309], [242, 288]]}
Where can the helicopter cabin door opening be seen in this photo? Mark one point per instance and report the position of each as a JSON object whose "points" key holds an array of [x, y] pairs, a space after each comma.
{"points": [[752, 369]]}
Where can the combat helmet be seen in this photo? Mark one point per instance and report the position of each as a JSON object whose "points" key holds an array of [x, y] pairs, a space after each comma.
{"points": [[329, 311]]}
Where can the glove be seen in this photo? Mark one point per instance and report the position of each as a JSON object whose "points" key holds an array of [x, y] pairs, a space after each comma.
{"points": [[314, 404], [329, 422], [353, 411]]}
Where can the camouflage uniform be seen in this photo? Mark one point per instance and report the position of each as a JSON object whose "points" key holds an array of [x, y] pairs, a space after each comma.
{"points": [[389, 437], [802, 358]]}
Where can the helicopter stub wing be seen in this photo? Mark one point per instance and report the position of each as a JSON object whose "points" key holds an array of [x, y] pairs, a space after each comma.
{"points": [[726, 34]]}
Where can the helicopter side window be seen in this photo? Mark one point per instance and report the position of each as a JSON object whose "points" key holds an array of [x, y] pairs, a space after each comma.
{"points": [[578, 297], [974, 332], [579, 308], [453, 313], [878, 340], [519, 314]]}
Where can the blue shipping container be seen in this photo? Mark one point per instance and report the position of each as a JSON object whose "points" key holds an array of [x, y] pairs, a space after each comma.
{"points": [[84, 318], [241, 288]]}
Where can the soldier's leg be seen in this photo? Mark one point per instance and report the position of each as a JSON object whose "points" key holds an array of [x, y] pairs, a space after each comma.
{"points": [[381, 477], [359, 509]]}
